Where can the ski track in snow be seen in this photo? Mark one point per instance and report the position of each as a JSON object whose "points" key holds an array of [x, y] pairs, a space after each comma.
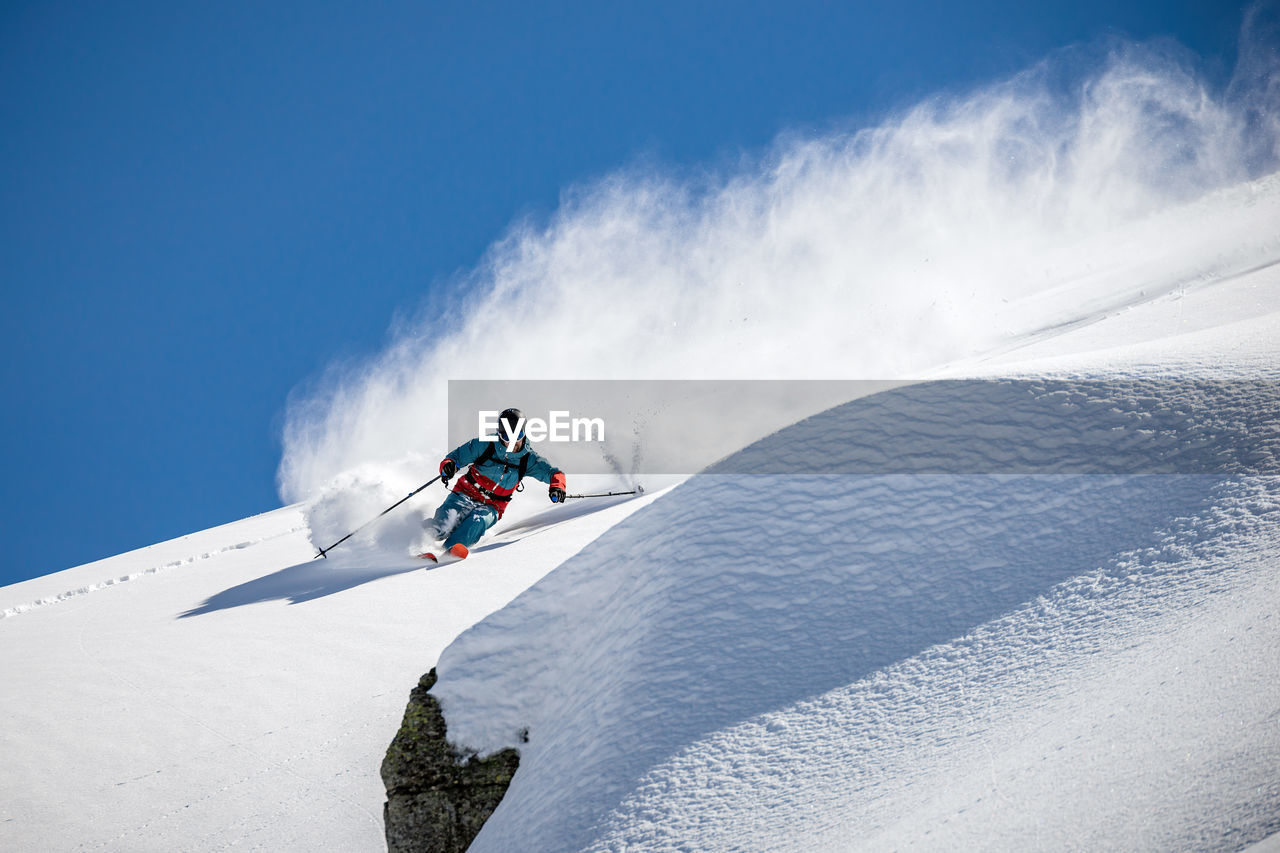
{"points": [[955, 548], [135, 575]]}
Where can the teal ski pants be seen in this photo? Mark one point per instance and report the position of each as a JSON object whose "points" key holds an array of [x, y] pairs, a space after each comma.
{"points": [[462, 520]]}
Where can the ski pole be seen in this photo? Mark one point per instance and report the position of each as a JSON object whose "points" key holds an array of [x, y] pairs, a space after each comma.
{"points": [[604, 494], [324, 551]]}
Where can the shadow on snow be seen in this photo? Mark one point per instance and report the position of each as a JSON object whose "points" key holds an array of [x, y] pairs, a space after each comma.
{"points": [[297, 584], [319, 578]]}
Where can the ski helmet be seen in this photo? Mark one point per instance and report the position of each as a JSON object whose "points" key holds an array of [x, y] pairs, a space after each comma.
{"points": [[510, 420]]}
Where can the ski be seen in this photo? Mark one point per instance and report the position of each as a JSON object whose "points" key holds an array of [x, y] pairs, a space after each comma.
{"points": [[453, 555]]}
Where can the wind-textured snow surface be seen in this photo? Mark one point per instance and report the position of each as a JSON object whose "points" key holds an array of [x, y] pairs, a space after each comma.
{"points": [[1005, 614]]}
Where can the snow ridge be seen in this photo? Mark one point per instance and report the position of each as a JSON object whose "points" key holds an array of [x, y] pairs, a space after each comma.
{"points": [[999, 534]]}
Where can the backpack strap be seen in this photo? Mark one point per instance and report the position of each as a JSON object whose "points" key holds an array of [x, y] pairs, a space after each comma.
{"points": [[490, 448]]}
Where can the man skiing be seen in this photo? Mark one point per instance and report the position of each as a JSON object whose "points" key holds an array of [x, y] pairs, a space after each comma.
{"points": [[494, 469]]}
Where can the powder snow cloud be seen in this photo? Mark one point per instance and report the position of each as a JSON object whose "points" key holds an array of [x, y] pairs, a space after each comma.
{"points": [[951, 227]]}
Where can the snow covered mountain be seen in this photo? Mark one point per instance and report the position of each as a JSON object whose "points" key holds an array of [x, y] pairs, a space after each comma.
{"points": [[1009, 633]]}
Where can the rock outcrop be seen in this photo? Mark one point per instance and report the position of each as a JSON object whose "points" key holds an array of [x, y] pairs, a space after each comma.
{"points": [[438, 797]]}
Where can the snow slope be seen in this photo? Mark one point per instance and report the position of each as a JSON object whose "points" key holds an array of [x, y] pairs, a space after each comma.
{"points": [[1006, 614], [224, 689]]}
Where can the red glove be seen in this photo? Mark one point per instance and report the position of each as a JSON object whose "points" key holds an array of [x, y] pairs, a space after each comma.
{"points": [[447, 469], [557, 487]]}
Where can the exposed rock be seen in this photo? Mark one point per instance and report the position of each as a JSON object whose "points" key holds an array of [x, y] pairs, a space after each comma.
{"points": [[438, 797]]}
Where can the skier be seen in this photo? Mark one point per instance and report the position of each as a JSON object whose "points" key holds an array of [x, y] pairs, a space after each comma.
{"points": [[494, 469]]}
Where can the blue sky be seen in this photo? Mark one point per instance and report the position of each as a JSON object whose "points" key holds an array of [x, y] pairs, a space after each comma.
{"points": [[203, 206]]}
